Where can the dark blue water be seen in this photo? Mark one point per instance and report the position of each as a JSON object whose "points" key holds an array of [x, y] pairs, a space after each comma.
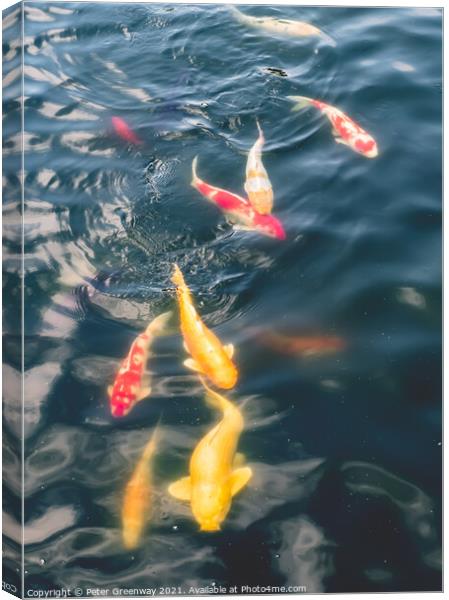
{"points": [[345, 446]]}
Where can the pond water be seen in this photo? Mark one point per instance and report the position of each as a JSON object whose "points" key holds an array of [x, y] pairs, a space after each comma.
{"points": [[342, 431]]}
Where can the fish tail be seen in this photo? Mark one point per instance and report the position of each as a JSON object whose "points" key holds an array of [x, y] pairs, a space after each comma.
{"points": [[158, 324], [152, 443], [237, 14], [195, 178], [301, 102], [261, 135], [328, 39], [178, 278]]}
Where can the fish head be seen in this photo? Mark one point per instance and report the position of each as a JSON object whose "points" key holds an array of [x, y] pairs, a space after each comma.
{"points": [[210, 505], [366, 145], [269, 225]]}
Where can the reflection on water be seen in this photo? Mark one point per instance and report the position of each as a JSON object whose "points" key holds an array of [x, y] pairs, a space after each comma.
{"points": [[416, 507], [305, 555], [343, 422]]}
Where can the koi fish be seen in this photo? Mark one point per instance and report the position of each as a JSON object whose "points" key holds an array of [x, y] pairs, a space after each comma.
{"points": [[238, 209], [344, 130], [138, 497], [257, 184], [132, 382], [302, 345], [285, 27], [208, 355], [123, 130], [214, 479]]}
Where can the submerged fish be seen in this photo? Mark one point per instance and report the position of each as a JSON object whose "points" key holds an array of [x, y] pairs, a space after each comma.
{"points": [[208, 355], [138, 497], [238, 209], [132, 382], [257, 184], [124, 131], [284, 27], [344, 129], [214, 479], [302, 345]]}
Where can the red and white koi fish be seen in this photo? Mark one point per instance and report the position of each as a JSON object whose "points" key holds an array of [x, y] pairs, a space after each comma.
{"points": [[257, 184], [344, 129], [132, 382], [238, 209], [123, 130]]}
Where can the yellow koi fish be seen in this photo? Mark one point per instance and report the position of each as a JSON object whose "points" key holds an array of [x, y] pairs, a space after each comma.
{"points": [[138, 497], [208, 354], [285, 27], [257, 184], [213, 479]]}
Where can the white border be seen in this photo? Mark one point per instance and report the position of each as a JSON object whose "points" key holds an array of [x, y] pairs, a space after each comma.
{"points": [[384, 3]]}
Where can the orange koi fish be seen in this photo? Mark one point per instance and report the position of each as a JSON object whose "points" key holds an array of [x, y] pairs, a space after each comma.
{"points": [[238, 209], [132, 382], [344, 129], [123, 130], [208, 355], [302, 345], [214, 478], [138, 497], [257, 184]]}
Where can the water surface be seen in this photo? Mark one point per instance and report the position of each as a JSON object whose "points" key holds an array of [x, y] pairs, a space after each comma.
{"points": [[345, 447]]}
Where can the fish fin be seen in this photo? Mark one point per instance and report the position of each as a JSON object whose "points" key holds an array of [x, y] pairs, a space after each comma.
{"points": [[229, 349], [335, 132], [146, 380], [239, 478], [158, 324], [195, 178], [110, 388], [301, 102], [185, 347], [259, 129], [231, 219], [144, 393], [181, 489], [311, 352], [340, 140], [191, 364], [237, 227], [239, 459]]}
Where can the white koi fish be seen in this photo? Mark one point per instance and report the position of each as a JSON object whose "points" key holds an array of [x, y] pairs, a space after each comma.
{"points": [[284, 27], [257, 184]]}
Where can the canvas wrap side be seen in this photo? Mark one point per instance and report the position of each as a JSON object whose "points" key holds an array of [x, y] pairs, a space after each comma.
{"points": [[12, 341]]}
